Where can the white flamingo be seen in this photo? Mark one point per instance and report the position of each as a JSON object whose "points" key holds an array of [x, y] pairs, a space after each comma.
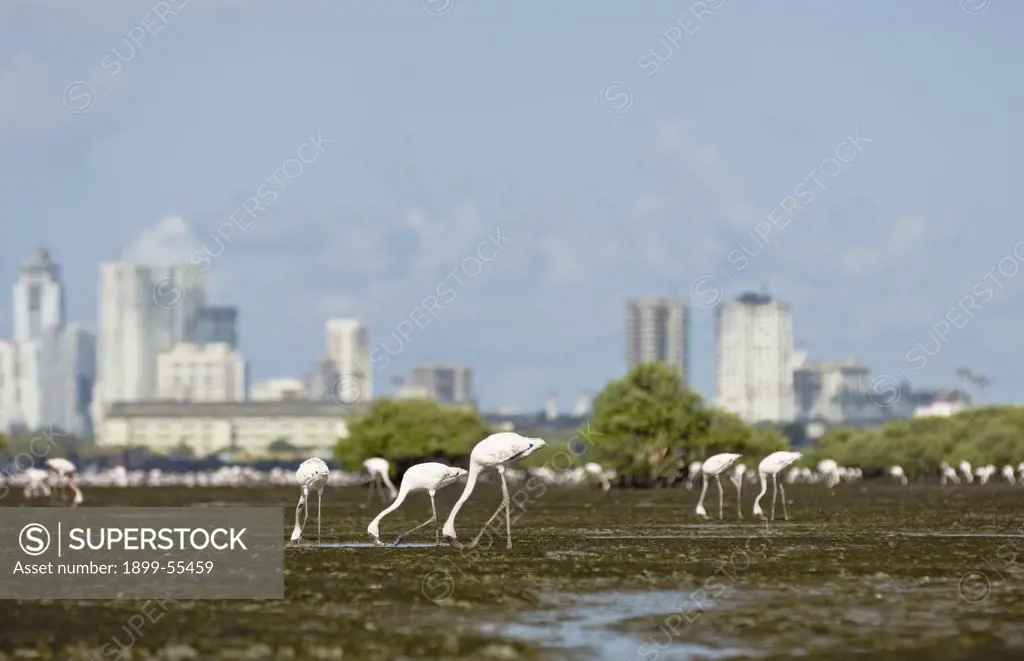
{"points": [[36, 483], [312, 476], [429, 477], [495, 451], [597, 472], [692, 471], [830, 471], [948, 474], [738, 473], [379, 468], [714, 467], [772, 465], [965, 468], [898, 473], [1009, 474], [65, 471]]}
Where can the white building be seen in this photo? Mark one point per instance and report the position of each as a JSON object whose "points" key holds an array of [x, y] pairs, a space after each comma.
{"points": [[10, 408], [194, 373], [448, 384], [209, 428], [348, 345], [754, 346], [942, 409], [836, 392], [657, 330], [38, 301], [144, 310], [278, 390]]}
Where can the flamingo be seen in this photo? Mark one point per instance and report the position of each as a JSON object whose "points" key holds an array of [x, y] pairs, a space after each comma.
{"points": [[772, 465], [495, 451], [35, 485], [597, 472], [63, 470], [691, 473], [948, 474], [965, 468], [378, 468], [429, 477], [311, 476], [714, 467], [897, 472], [830, 471], [738, 473], [1009, 474]]}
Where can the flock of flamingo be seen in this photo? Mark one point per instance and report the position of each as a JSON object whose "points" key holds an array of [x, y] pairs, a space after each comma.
{"points": [[496, 452]]}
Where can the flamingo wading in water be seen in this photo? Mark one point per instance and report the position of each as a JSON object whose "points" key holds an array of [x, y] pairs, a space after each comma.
{"points": [[495, 451], [311, 476], [429, 477], [64, 470], [378, 468], [713, 468], [772, 465]]}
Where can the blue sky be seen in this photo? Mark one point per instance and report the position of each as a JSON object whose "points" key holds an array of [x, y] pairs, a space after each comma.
{"points": [[446, 126]]}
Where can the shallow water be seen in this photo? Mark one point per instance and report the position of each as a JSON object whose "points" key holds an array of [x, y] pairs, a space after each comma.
{"points": [[871, 571]]}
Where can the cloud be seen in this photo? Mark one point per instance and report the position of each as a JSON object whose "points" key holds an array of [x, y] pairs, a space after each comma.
{"points": [[171, 240]]}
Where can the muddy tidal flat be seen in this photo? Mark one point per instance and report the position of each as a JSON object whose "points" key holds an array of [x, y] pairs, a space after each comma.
{"points": [[871, 571]]}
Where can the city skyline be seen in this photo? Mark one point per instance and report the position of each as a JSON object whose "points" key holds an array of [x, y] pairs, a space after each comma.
{"points": [[852, 184]]}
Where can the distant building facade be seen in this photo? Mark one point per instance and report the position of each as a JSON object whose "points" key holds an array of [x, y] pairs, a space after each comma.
{"points": [[212, 427], [348, 345], [657, 330], [217, 324], [834, 392], [278, 390], [194, 373], [753, 356], [448, 384]]}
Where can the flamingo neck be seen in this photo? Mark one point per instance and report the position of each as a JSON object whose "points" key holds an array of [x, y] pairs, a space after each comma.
{"points": [[388, 510], [474, 473], [764, 488]]}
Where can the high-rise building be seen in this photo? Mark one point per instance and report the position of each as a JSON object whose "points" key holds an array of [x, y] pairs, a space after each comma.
{"points": [[217, 323], [348, 345], [754, 345], [194, 373], [38, 297], [323, 380], [449, 384], [658, 330], [144, 310], [10, 407], [77, 378]]}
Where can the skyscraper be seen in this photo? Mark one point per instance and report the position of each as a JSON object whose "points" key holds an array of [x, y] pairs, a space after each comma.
{"points": [[144, 310], [348, 345], [754, 372], [657, 330], [38, 299], [218, 323]]}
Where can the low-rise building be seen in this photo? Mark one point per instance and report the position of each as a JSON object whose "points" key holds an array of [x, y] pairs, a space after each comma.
{"points": [[211, 427]]}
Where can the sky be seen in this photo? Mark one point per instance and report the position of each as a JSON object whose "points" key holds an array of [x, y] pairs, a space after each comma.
{"points": [[859, 160]]}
